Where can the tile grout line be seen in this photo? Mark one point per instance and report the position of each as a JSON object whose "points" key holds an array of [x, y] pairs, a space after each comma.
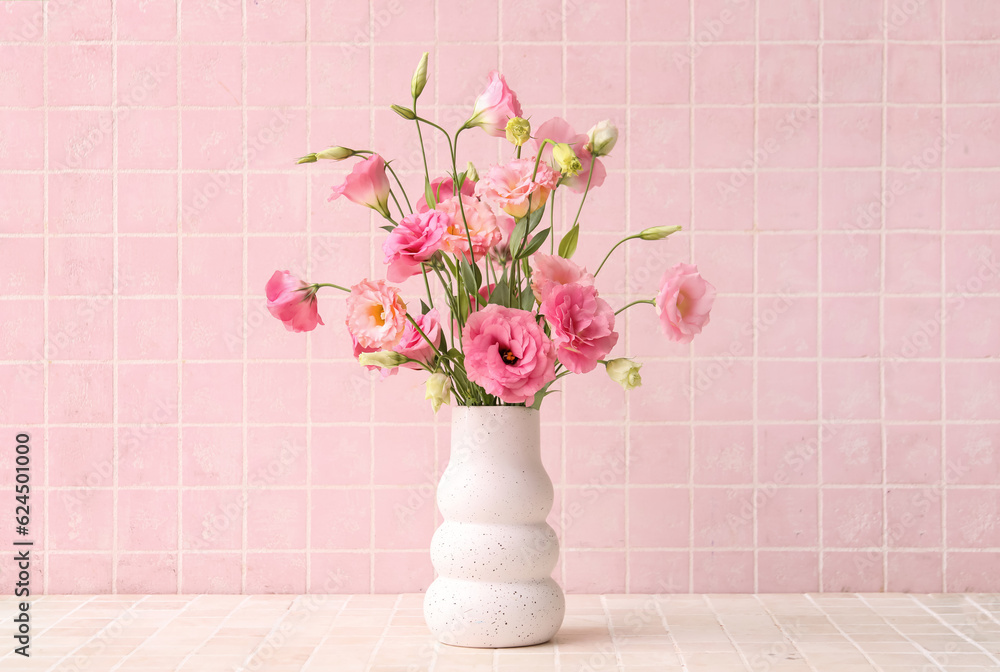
{"points": [[664, 621], [883, 154], [245, 501], [995, 657], [309, 336], [37, 635], [220, 43], [628, 293], [785, 632], [944, 304], [755, 224], [611, 632], [115, 289], [328, 635], [692, 43], [371, 238], [385, 632], [56, 664], [46, 500], [732, 640], [563, 520], [916, 645], [820, 236], [179, 227], [846, 635], [216, 631], [152, 637]]}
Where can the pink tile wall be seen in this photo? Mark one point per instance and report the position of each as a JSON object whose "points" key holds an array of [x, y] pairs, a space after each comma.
{"points": [[837, 427]]}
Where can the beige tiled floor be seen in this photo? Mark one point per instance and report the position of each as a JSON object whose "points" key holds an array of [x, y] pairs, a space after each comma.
{"points": [[383, 633]]}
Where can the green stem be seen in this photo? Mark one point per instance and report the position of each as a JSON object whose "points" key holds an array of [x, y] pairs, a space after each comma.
{"points": [[405, 197], [427, 284], [421, 332], [457, 188], [629, 305], [396, 201], [539, 157], [327, 284], [552, 224], [447, 135], [586, 190], [420, 135], [617, 245]]}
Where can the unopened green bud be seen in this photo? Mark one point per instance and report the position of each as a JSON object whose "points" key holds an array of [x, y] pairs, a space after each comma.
{"points": [[335, 153], [419, 80], [386, 359], [404, 112], [658, 232]]}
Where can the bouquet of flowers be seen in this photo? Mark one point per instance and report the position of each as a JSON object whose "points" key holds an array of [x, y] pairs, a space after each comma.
{"points": [[519, 313]]}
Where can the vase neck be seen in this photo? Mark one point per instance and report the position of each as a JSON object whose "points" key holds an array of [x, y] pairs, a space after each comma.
{"points": [[491, 432]]}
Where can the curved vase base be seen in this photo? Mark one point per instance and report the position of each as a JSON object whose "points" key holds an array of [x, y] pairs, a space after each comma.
{"points": [[494, 615]]}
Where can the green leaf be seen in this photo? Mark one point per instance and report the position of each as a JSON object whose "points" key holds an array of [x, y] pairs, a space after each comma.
{"points": [[527, 300], [517, 236], [429, 194], [387, 227], [464, 307], [534, 218], [541, 394], [424, 308], [500, 294], [567, 246], [535, 243]]}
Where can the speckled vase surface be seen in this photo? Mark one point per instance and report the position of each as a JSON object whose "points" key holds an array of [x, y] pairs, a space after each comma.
{"points": [[494, 553]]}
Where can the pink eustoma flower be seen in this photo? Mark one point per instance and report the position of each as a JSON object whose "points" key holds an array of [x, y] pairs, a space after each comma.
{"points": [[484, 230], [376, 316], [510, 187], [508, 354], [583, 326], [558, 130], [413, 345], [684, 302], [413, 242], [288, 301], [367, 185], [551, 271], [443, 188], [494, 107]]}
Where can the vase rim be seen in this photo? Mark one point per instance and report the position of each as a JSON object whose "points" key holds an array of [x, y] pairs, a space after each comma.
{"points": [[505, 409]]}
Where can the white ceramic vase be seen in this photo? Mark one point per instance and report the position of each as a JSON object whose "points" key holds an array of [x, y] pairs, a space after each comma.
{"points": [[494, 553]]}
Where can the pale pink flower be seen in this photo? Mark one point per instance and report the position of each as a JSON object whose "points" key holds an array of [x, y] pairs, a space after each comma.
{"points": [[413, 345], [290, 302], [366, 185], [376, 316], [494, 107], [684, 302], [507, 353], [414, 241], [582, 324], [510, 187], [551, 271], [558, 130], [443, 188], [483, 227]]}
